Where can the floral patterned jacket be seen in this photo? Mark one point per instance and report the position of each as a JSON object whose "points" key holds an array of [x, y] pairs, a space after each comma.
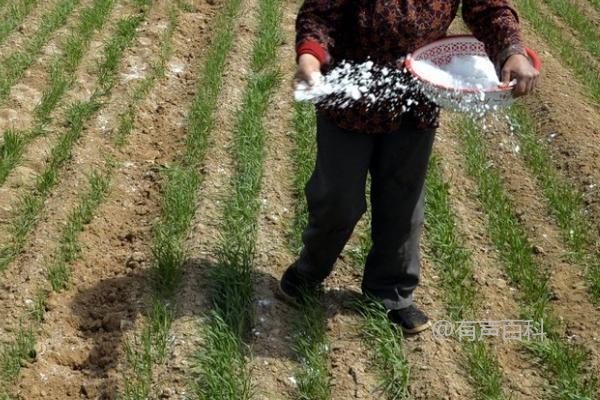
{"points": [[386, 30]]}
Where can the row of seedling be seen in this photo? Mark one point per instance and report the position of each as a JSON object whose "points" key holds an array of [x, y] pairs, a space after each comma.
{"points": [[564, 202], [585, 69], [17, 11], [222, 360], [32, 203], [311, 343], [60, 77], [179, 199], [566, 363], [14, 66], [22, 348]]}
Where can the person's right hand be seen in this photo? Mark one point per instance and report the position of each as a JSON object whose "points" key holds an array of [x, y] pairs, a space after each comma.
{"points": [[307, 66]]}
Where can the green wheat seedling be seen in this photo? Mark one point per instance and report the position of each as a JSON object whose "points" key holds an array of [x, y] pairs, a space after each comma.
{"points": [[13, 66], [223, 354], [15, 15], [32, 203], [149, 349], [201, 115], [564, 203], [179, 208], [69, 249], [312, 347], [60, 73], [455, 266], [157, 71], [2, 4], [20, 350], [388, 355], [586, 71], [570, 380], [10, 152], [311, 344], [185, 6], [13, 354], [447, 246], [139, 357], [587, 31], [38, 307], [179, 198], [232, 280], [595, 4]]}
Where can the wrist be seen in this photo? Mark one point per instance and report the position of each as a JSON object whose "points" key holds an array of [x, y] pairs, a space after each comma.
{"points": [[508, 52], [314, 49]]}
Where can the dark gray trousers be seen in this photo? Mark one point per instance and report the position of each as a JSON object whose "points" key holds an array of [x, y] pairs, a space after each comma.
{"points": [[397, 162]]}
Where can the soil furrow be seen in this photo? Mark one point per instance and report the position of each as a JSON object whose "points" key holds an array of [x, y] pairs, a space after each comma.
{"points": [[14, 37], [192, 297], [23, 177], [573, 32], [568, 121], [436, 371], [350, 361], [110, 278], [274, 365], [571, 300], [28, 269], [522, 378], [588, 9], [16, 111]]}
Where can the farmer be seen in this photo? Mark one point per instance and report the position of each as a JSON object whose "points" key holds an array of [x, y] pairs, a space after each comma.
{"points": [[393, 147]]}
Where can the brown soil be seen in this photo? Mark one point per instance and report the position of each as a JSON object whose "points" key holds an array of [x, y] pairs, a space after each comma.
{"points": [[36, 154], [81, 350], [496, 295], [16, 110], [192, 300], [80, 353], [588, 9], [275, 364], [569, 123], [28, 28], [571, 300]]}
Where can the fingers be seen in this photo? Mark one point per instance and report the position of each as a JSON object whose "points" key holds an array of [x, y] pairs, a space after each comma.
{"points": [[521, 87], [505, 77], [299, 78], [526, 83]]}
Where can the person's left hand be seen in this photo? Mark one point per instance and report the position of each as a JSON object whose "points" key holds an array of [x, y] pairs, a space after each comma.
{"points": [[518, 67]]}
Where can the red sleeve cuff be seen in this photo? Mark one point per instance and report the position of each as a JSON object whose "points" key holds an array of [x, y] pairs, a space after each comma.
{"points": [[313, 48]]}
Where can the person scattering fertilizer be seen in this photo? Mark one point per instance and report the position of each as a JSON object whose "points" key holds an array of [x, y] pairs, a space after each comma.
{"points": [[355, 138]]}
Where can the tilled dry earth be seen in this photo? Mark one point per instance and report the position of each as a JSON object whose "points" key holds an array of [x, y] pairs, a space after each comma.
{"points": [[80, 345]]}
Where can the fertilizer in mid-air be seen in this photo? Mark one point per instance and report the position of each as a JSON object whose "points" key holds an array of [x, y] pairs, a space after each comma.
{"points": [[393, 88]]}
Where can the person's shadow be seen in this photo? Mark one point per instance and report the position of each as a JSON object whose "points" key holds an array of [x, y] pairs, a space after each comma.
{"points": [[112, 307]]}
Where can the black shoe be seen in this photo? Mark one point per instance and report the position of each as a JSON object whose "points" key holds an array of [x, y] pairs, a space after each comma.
{"points": [[292, 287], [410, 319]]}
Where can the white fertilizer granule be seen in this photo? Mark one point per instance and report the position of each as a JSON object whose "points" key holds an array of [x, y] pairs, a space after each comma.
{"points": [[472, 72], [395, 90], [350, 82]]}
